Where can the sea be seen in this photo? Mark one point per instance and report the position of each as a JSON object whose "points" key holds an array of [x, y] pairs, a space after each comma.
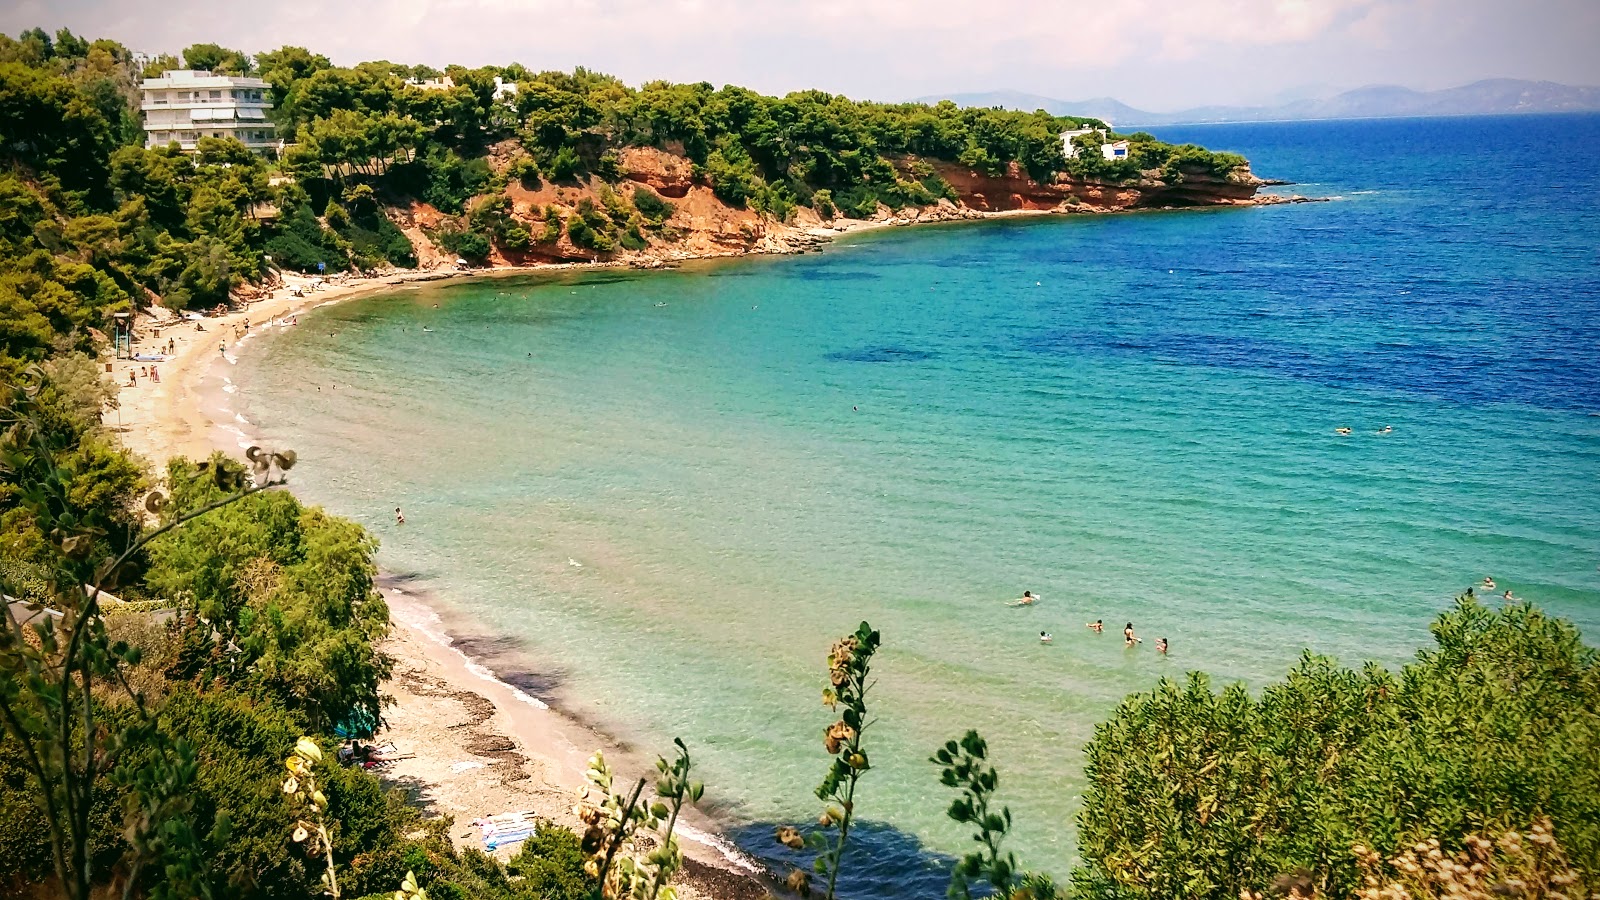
{"points": [[653, 499]]}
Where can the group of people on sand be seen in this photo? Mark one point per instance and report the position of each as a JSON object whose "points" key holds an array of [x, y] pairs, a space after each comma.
{"points": [[148, 372], [1344, 430], [1489, 587], [1098, 626]]}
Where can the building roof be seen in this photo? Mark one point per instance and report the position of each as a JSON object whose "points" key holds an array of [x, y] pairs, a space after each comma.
{"points": [[193, 78]]}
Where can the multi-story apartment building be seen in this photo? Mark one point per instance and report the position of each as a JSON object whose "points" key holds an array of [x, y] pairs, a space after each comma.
{"points": [[184, 105]]}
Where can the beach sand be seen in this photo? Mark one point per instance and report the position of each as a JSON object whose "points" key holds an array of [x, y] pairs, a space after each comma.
{"points": [[475, 746]]}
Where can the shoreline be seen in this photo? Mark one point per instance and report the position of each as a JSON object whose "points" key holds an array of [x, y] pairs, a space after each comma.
{"points": [[478, 745], [473, 736]]}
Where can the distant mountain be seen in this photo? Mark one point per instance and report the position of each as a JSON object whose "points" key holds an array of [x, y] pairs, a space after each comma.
{"points": [[1491, 97]]}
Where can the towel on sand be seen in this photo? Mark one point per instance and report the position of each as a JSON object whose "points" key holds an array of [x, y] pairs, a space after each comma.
{"points": [[506, 828]]}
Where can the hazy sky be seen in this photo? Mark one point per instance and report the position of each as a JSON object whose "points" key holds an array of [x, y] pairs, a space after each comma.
{"points": [[1154, 54]]}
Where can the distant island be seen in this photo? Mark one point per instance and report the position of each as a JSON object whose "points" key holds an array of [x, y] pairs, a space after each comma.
{"points": [[1490, 97]]}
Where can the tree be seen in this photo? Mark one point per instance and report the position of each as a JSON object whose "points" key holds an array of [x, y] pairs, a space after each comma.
{"points": [[218, 59], [280, 596], [1200, 794], [53, 661]]}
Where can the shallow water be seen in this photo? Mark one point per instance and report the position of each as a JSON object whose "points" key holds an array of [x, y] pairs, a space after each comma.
{"points": [[673, 509]]}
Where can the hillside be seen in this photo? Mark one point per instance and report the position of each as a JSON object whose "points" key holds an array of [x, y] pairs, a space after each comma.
{"points": [[387, 165], [1491, 97]]}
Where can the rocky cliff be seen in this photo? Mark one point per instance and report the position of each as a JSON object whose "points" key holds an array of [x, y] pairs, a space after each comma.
{"points": [[702, 225]]}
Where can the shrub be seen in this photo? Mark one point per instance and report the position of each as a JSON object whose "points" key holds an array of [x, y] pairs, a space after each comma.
{"points": [[550, 865], [584, 235], [525, 171], [822, 202], [633, 238], [650, 205], [564, 165], [1200, 794]]}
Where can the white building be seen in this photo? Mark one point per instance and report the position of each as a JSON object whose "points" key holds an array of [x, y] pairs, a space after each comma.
{"points": [[503, 90], [1114, 150], [184, 105]]}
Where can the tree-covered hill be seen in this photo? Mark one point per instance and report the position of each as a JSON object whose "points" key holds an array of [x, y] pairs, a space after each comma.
{"points": [[121, 225]]}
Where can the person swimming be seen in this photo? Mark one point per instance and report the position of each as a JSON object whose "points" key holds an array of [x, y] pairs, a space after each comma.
{"points": [[1342, 431], [1097, 626], [1046, 637], [1488, 583], [1027, 599], [1128, 636], [1387, 429], [1507, 595], [1161, 646]]}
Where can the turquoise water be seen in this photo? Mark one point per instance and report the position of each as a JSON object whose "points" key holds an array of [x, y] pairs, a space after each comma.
{"points": [[1131, 416]]}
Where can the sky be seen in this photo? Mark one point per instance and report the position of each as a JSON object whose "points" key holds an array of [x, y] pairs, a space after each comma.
{"points": [[1159, 55]]}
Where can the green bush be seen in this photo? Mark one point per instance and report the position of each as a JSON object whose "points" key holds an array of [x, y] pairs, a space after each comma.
{"points": [[633, 238], [287, 596], [550, 865], [301, 242], [651, 205], [586, 236], [822, 202], [525, 171], [564, 165], [860, 202], [1199, 794]]}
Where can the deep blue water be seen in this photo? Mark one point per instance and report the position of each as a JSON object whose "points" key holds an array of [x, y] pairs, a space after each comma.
{"points": [[1130, 415]]}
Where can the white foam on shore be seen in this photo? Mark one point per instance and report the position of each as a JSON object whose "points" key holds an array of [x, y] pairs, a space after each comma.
{"points": [[427, 623], [735, 857], [431, 627]]}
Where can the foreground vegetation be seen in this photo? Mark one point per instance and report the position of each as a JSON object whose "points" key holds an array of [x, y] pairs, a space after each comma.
{"points": [[145, 741]]}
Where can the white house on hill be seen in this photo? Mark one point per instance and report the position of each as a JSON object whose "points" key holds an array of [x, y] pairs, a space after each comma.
{"points": [[184, 105], [1113, 150]]}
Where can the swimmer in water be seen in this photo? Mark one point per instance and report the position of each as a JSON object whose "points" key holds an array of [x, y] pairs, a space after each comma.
{"points": [[1342, 431], [1046, 637], [1507, 596], [1161, 646], [1097, 626], [1488, 583], [1387, 429], [1128, 636], [1026, 599]]}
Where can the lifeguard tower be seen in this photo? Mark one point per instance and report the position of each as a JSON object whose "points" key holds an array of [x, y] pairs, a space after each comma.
{"points": [[122, 335]]}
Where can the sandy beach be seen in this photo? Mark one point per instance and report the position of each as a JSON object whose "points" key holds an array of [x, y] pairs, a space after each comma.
{"points": [[473, 745]]}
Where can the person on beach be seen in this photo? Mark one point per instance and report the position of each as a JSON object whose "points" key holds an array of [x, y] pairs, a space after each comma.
{"points": [[133, 378], [1026, 599], [1161, 646], [171, 345], [399, 517], [222, 347], [1128, 635], [1046, 637], [155, 377], [1097, 626]]}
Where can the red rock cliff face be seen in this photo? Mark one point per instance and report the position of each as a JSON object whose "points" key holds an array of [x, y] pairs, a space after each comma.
{"points": [[1015, 190]]}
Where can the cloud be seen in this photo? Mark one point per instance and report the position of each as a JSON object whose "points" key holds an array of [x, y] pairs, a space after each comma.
{"points": [[1182, 50]]}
